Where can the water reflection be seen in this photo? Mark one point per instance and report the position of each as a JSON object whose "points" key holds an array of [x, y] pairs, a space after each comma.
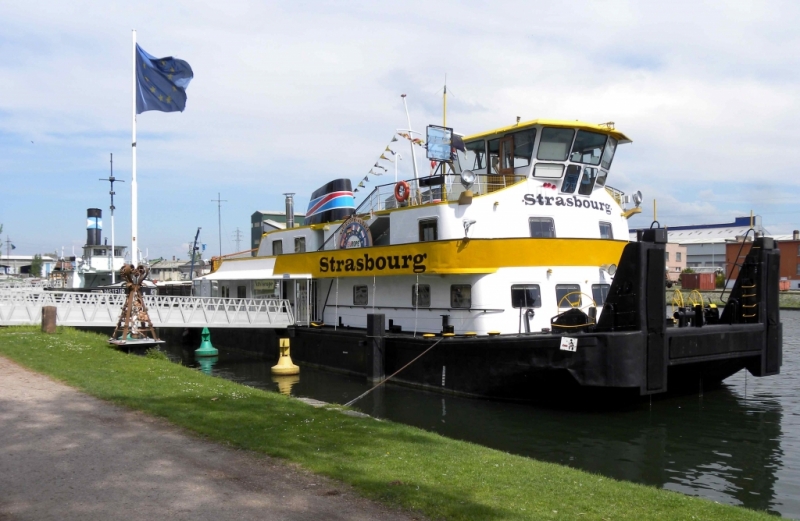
{"points": [[207, 363], [739, 444]]}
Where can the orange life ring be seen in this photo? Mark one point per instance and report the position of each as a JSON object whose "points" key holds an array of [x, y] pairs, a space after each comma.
{"points": [[401, 191]]}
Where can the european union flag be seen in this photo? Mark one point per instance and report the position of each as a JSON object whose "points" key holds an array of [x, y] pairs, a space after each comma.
{"points": [[161, 82]]}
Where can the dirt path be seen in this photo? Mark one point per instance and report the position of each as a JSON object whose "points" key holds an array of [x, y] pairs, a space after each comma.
{"points": [[65, 455]]}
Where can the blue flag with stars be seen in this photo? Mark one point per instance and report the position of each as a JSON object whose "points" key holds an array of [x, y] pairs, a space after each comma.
{"points": [[161, 82]]}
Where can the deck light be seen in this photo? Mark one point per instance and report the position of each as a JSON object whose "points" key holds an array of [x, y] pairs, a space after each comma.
{"points": [[611, 269], [467, 224], [637, 198], [467, 179]]}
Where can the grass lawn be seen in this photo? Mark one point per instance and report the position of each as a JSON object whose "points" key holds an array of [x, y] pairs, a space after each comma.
{"points": [[393, 463]]}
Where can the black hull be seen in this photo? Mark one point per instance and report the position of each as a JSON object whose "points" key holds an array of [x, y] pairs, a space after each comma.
{"points": [[632, 349]]}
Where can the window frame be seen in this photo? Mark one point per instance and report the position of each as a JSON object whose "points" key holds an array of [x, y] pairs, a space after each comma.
{"points": [[608, 225], [602, 148], [468, 300], [538, 219], [591, 173], [573, 177], [543, 139], [537, 302], [603, 288], [277, 247], [567, 289], [299, 244], [424, 224], [357, 292], [417, 294]]}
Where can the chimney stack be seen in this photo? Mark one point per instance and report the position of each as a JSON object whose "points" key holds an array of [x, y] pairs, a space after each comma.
{"points": [[796, 235], [289, 211], [94, 226]]}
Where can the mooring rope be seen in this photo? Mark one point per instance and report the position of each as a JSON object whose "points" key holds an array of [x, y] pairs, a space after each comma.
{"points": [[357, 398]]}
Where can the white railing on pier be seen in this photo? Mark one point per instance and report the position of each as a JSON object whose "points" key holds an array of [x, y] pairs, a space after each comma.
{"points": [[103, 309]]}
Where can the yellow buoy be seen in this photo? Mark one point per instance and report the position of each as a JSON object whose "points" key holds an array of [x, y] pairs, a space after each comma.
{"points": [[470, 333], [493, 333], [448, 334], [285, 365], [428, 335]]}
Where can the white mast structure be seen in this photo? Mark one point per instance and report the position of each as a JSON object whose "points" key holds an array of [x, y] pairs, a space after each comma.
{"points": [[134, 195], [413, 155]]}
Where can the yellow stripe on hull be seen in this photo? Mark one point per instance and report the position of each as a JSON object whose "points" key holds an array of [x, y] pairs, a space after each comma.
{"points": [[462, 256]]}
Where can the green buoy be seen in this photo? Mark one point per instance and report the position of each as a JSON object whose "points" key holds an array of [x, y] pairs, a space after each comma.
{"points": [[206, 349]]}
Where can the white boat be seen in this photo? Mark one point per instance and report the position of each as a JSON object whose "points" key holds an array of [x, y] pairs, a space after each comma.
{"points": [[510, 256]]}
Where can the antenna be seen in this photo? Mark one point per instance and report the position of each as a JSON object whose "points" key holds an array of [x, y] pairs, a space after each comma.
{"points": [[111, 192], [219, 219]]}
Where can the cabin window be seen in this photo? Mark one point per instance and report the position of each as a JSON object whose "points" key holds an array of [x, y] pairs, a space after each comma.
{"points": [[476, 156], [99, 252], [600, 293], [588, 147], [542, 227], [461, 296], [587, 181], [526, 296], [277, 247], [608, 154], [428, 230], [548, 170], [241, 291], [571, 179], [605, 230], [299, 244], [568, 295], [601, 178], [494, 156], [225, 292], [360, 295], [554, 144], [523, 147], [421, 295]]}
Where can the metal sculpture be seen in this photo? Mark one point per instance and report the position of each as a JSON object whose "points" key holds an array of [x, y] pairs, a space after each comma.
{"points": [[134, 326]]}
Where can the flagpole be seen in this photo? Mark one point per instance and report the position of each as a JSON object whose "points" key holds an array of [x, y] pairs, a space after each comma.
{"points": [[134, 195], [413, 155]]}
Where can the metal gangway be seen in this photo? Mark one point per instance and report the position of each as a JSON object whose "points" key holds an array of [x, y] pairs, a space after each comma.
{"points": [[103, 310]]}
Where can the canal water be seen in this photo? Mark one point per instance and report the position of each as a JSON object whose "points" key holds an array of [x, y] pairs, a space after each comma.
{"points": [[739, 444]]}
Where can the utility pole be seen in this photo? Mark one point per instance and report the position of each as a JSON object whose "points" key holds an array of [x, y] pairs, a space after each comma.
{"points": [[111, 180], [219, 219], [237, 236]]}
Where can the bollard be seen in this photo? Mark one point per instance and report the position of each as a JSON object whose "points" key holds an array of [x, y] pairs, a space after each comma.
{"points": [[376, 333], [285, 365], [206, 349], [49, 319]]}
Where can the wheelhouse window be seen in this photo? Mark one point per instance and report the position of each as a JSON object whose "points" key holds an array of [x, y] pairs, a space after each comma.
{"points": [[571, 179], [588, 147], [548, 170], [600, 293], [277, 247], [587, 181], [526, 296], [421, 295], [299, 244], [542, 227], [461, 296], [554, 144], [360, 295], [475, 156], [608, 154], [523, 147], [568, 295], [494, 156], [606, 232], [601, 178], [428, 230]]}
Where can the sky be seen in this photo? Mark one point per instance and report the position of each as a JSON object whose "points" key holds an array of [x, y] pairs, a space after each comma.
{"points": [[290, 95]]}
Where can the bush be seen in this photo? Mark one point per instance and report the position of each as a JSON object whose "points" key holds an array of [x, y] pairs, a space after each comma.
{"points": [[155, 354], [687, 270], [720, 280]]}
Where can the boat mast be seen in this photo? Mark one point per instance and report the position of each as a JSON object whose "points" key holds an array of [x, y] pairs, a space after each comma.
{"points": [[413, 154], [111, 179]]}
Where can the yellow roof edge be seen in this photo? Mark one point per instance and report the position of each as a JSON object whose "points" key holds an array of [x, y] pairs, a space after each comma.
{"points": [[622, 138]]}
